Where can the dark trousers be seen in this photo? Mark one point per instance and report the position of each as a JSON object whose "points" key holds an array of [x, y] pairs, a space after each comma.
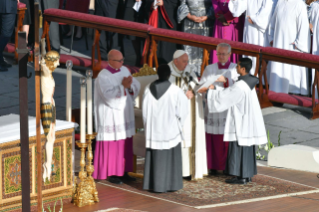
{"points": [[7, 23], [108, 40], [54, 26]]}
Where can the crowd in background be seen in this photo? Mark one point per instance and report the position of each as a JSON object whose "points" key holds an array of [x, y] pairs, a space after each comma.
{"points": [[259, 22]]}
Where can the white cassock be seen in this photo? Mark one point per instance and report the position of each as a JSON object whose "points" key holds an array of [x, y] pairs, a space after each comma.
{"points": [[314, 20], [289, 25], [215, 122], [244, 127], [113, 106], [260, 13], [164, 118], [193, 150], [244, 122]]}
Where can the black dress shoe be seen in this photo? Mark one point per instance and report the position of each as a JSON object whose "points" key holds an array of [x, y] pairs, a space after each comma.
{"points": [[3, 68], [236, 180], [76, 38], [248, 180], [127, 177], [115, 180], [5, 64], [213, 172], [187, 178]]}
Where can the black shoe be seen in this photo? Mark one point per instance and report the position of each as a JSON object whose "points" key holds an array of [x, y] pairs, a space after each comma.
{"points": [[3, 68], [236, 180], [187, 178], [5, 64], [248, 180], [76, 38], [115, 180], [127, 177], [213, 172]]}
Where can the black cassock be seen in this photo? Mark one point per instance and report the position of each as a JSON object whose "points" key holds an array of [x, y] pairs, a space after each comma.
{"points": [[241, 160]]}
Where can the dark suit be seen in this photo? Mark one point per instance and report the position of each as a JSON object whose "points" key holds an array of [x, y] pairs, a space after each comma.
{"points": [[54, 26], [8, 11], [111, 9]]}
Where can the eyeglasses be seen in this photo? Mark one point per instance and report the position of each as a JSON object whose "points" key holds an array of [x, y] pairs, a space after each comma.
{"points": [[222, 54], [120, 61]]}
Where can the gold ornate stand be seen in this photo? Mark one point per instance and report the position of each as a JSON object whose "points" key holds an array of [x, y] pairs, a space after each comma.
{"points": [[85, 192]]}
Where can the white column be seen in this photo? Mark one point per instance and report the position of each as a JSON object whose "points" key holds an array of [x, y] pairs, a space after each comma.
{"points": [[69, 65], [89, 74], [83, 107]]}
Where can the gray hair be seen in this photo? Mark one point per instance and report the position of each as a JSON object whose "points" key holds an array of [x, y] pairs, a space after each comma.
{"points": [[225, 45]]}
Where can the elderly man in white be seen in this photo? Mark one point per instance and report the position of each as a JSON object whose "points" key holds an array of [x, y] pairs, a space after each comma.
{"points": [[193, 145], [215, 122], [115, 90]]}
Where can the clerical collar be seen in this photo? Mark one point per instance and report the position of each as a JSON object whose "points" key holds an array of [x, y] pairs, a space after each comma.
{"points": [[111, 69], [176, 69], [249, 79], [225, 66]]}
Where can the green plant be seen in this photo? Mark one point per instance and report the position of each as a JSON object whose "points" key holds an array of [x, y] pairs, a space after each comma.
{"points": [[267, 147], [49, 208]]}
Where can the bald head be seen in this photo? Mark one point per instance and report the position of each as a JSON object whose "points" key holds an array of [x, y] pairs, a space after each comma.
{"points": [[115, 58]]}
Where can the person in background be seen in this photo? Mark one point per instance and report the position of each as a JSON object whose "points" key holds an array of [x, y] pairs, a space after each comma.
{"points": [[289, 29], [8, 11], [258, 14], [198, 18], [226, 27], [166, 18], [54, 26], [314, 20], [110, 9]]}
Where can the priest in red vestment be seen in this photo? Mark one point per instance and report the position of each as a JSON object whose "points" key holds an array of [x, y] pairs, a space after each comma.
{"points": [[215, 122]]}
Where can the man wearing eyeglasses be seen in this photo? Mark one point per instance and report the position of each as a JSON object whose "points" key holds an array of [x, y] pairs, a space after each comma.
{"points": [[215, 122], [193, 145], [115, 90]]}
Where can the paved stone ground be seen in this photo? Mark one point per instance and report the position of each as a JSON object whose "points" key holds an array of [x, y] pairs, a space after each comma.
{"points": [[292, 121]]}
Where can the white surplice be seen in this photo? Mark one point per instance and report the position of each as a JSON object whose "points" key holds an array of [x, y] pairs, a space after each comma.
{"points": [[198, 168], [164, 118], [113, 106], [289, 25], [314, 20], [244, 122], [215, 122], [260, 13]]}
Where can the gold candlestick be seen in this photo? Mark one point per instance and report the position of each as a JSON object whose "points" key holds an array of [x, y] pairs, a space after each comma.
{"points": [[85, 192], [90, 167]]}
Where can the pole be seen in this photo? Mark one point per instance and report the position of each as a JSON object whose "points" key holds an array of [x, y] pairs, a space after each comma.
{"points": [[24, 123], [37, 104]]}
